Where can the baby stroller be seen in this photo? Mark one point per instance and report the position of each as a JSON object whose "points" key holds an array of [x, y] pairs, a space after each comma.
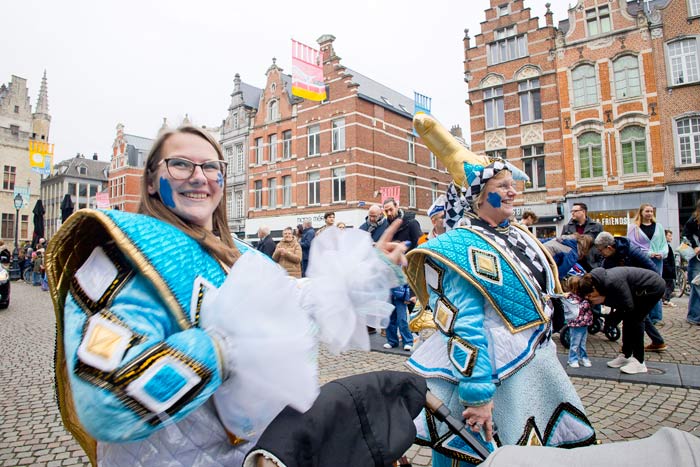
{"points": [[607, 322]]}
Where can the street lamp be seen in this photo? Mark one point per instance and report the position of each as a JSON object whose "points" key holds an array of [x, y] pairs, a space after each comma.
{"points": [[15, 272]]}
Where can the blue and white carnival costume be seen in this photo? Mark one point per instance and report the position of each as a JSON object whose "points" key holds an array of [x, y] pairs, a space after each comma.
{"points": [[165, 357]]}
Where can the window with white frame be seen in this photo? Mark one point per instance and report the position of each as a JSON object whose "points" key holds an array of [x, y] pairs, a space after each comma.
{"points": [[693, 8], [503, 10], [433, 191], [286, 144], [411, 148], [314, 189], [411, 192], [238, 204], [590, 155], [338, 134], [598, 20], [584, 84], [689, 140], [8, 179], [627, 80], [493, 107], [314, 140], [240, 160], [530, 103], [258, 193], [258, 151], [507, 46], [338, 184], [24, 226], [683, 58], [287, 191], [634, 150], [533, 165], [229, 158], [272, 193], [273, 112], [272, 143], [433, 161]]}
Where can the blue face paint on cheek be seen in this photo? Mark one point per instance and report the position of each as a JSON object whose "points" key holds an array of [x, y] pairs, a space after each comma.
{"points": [[220, 180], [166, 193], [494, 199]]}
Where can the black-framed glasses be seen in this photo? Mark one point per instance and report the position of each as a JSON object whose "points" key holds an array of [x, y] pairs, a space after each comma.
{"points": [[182, 169]]}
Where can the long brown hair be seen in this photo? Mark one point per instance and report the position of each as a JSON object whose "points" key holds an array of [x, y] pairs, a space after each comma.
{"points": [[638, 216], [222, 248]]}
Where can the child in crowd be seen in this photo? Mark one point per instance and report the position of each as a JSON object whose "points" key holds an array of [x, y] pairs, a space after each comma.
{"points": [[578, 327], [37, 267], [669, 271]]}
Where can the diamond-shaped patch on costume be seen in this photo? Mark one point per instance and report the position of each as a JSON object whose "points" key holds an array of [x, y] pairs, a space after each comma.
{"points": [[486, 265], [567, 428], [96, 274], [104, 343], [458, 448], [163, 384], [445, 316], [433, 276], [462, 355]]}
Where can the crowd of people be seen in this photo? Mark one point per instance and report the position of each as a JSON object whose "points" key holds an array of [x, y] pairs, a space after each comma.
{"points": [[151, 354]]}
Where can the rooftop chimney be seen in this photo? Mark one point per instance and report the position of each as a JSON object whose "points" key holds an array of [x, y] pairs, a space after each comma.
{"points": [[94, 157]]}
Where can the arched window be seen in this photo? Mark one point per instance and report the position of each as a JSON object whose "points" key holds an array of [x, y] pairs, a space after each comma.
{"points": [[627, 82], [273, 111], [634, 150], [590, 155], [584, 84]]}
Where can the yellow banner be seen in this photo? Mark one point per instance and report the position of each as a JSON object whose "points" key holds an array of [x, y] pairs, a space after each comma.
{"points": [[40, 157]]}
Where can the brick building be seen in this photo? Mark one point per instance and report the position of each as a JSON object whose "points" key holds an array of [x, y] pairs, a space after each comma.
{"points": [[514, 105], [674, 30], [308, 157], [129, 154], [18, 126]]}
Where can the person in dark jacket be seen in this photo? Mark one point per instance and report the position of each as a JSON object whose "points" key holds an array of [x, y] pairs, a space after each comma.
{"points": [[580, 223], [375, 222], [307, 236], [633, 292], [266, 243], [618, 251], [409, 230], [669, 270]]}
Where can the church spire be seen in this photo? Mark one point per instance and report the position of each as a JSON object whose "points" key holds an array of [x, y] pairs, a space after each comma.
{"points": [[42, 103]]}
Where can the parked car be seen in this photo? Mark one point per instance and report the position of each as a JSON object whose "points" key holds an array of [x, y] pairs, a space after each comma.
{"points": [[4, 287]]}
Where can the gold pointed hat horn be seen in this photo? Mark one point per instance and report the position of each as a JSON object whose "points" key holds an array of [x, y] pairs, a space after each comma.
{"points": [[452, 154]]}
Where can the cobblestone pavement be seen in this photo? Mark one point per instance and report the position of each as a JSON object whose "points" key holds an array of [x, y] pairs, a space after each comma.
{"points": [[31, 432]]}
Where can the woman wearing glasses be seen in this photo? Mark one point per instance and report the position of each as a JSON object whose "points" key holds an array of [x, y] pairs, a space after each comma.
{"points": [[176, 344]]}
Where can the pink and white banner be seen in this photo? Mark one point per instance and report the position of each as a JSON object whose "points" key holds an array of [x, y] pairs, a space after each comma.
{"points": [[307, 72], [390, 192]]}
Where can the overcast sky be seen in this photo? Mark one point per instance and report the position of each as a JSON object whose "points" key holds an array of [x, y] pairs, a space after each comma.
{"points": [[135, 62]]}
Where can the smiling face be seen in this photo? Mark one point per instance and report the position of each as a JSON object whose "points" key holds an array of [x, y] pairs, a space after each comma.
{"points": [[195, 198], [497, 198], [647, 214], [287, 235]]}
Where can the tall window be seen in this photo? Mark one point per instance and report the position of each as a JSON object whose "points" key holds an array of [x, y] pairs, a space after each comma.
{"points": [[272, 142], [530, 104], [258, 151], [229, 158], [433, 161], [689, 140], [314, 193], [238, 204], [258, 194], [338, 181], [273, 112], [8, 180], [585, 87], [287, 144], [272, 193], [598, 20], [411, 148], [507, 46], [240, 160], [433, 191], [24, 226], [314, 140], [338, 134], [411, 192], [634, 150], [236, 124], [8, 225], [683, 56], [590, 155], [493, 108], [693, 7], [287, 191], [627, 82], [533, 163]]}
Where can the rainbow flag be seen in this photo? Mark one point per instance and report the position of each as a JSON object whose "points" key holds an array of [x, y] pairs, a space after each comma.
{"points": [[40, 157], [307, 73]]}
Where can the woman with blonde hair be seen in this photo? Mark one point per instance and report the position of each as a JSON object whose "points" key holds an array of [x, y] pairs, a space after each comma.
{"points": [[691, 232], [649, 236]]}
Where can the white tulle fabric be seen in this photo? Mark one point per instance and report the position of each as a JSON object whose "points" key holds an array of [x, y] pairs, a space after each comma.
{"points": [[348, 288], [267, 345], [267, 324]]}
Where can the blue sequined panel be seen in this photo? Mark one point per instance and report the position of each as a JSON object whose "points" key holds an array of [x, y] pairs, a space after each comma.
{"points": [[477, 258]]}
